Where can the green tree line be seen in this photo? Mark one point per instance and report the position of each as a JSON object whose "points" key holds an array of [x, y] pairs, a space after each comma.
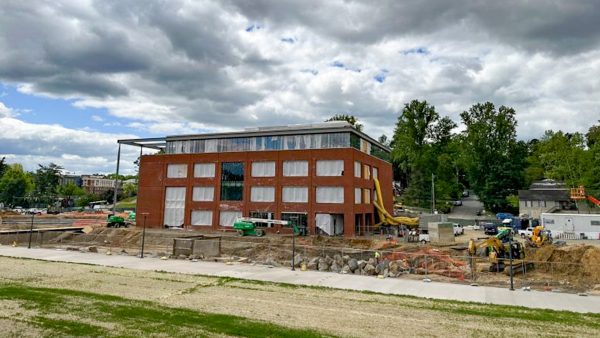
{"points": [[43, 187], [482, 154]]}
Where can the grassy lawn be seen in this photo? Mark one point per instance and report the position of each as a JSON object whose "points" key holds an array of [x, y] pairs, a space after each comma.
{"points": [[53, 299], [128, 203], [60, 312]]}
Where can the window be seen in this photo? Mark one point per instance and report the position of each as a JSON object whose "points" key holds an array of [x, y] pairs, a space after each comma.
{"points": [[295, 168], [375, 173], [203, 194], [262, 194], [262, 215], [357, 197], [177, 171], [227, 218], [366, 172], [204, 170], [174, 206], [263, 169], [232, 181], [294, 195], [356, 169], [202, 217], [330, 168], [594, 222], [367, 196], [299, 218], [330, 194]]}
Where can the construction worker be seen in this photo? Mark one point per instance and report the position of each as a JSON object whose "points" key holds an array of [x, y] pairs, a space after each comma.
{"points": [[377, 256]]}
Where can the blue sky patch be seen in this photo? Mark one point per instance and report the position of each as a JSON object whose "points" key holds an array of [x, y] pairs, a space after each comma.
{"points": [[288, 40], [253, 27], [337, 64], [312, 71], [417, 50]]}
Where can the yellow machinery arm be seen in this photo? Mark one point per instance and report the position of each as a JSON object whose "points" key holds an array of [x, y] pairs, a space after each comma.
{"points": [[385, 217]]}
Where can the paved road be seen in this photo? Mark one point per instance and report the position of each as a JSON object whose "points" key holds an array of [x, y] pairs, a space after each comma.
{"points": [[533, 299], [469, 208]]}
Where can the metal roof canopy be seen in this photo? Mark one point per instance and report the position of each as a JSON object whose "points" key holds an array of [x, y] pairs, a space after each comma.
{"points": [[157, 143]]}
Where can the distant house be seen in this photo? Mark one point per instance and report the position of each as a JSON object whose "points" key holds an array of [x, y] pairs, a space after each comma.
{"points": [[68, 178], [95, 184], [544, 196]]}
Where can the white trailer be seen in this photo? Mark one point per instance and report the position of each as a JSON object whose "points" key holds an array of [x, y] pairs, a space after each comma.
{"points": [[572, 226]]}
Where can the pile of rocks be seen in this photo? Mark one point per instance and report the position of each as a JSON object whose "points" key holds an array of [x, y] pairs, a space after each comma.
{"points": [[349, 265]]}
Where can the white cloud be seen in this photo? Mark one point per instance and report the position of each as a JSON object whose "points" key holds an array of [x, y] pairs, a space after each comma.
{"points": [[97, 118], [5, 111], [75, 150], [187, 67]]}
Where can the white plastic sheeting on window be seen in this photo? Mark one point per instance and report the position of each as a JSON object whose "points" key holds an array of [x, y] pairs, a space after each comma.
{"points": [[227, 218], [204, 170], [367, 196], [356, 169], [366, 172], [375, 172], [202, 217], [330, 168], [330, 194], [203, 194], [295, 168], [295, 195], [174, 206], [357, 194], [177, 171], [365, 146], [262, 194], [263, 169], [331, 224]]}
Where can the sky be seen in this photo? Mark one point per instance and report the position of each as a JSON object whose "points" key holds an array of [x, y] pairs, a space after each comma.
{"points": [[76, 76]]}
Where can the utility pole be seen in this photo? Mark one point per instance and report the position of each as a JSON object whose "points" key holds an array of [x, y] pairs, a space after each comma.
{"points": [[30, 231]]}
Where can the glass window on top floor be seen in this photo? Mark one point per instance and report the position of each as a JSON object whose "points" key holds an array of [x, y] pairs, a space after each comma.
{"points": [[232, 181]]}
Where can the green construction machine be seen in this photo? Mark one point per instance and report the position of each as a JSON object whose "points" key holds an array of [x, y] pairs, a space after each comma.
{"points": [[246, 226], [114, 221]]}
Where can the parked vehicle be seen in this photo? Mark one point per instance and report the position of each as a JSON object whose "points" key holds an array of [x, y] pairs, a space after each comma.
{"points": [[424, 238], [457, 203], [465, 193], [526, 233], [458, 229], [490, 229]]}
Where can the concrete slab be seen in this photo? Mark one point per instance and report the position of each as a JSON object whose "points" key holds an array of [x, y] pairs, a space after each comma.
{"points": [[396, 286]]}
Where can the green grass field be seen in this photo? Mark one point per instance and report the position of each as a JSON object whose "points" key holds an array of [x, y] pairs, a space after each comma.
{"points": [[60, 312]]}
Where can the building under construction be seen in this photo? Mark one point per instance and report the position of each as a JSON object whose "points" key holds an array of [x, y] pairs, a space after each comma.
{"points": [[319, 175]]}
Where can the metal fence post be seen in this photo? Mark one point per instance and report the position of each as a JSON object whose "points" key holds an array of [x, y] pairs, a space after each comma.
{"points": [[30, 232]]}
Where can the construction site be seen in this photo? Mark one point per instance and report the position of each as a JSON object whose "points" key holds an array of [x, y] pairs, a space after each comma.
{"points": [[571, 266]]}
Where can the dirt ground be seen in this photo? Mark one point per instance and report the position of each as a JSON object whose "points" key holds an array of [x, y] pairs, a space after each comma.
{"points": [[448, 263], [336, 312]]}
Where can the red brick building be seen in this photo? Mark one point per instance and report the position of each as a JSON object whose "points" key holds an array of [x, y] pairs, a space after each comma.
{"points": [[318, 175]]}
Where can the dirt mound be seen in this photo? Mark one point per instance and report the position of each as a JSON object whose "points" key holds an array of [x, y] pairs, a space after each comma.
{"points": [[579, 261]]}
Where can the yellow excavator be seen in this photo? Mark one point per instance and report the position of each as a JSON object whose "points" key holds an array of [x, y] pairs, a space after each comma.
{"points": [[539, 237], [385, 218], [499, 249]]}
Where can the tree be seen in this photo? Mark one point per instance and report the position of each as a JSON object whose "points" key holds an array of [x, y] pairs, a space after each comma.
{"points": [[129, 190], [47, 179], [69, 191], [3, 166], [383, 139], [562, 157], [421, 146], [15, 184], [348, 118], [593, 135], [495, 160]]}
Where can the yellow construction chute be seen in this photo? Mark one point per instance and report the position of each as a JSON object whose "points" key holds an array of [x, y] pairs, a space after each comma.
{"points": [[385, 218]]}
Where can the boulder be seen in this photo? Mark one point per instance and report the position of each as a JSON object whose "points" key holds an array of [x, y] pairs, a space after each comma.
{"points": [[371, 261], [323, 264], [313, 264], [298, 260], [361, 264], [346, 258], [353, 264], [94, 249], [346, 269], [335, 267], [338, 260], [328, 259], [394, 268], [370, 270]]}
